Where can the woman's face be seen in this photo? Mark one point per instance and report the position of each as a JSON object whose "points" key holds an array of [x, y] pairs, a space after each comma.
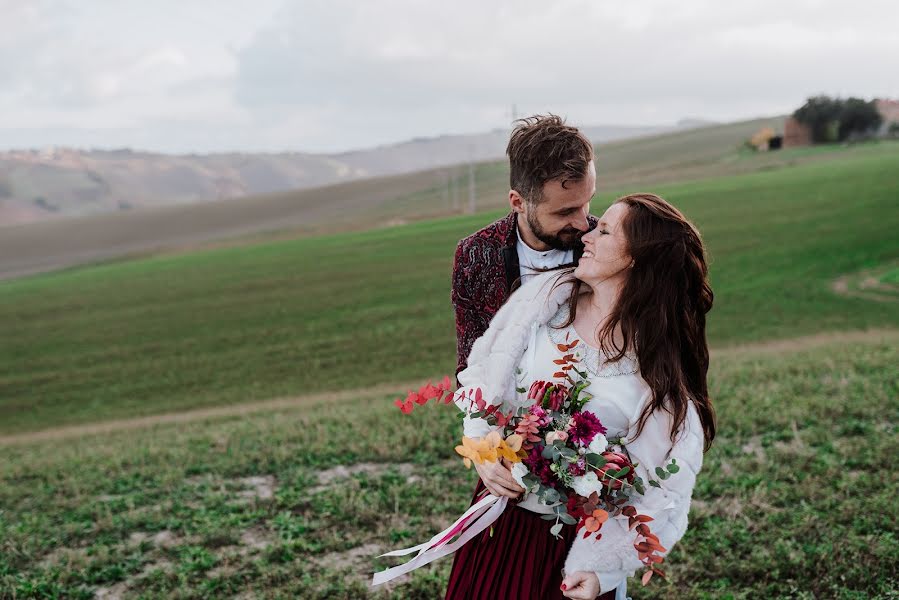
{"points": [[605, 248]]}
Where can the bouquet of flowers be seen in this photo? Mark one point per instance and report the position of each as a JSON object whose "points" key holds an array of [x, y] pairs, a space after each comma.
{"points": [[558, 452]]}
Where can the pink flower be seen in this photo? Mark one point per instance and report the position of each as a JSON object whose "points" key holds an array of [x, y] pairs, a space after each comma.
{"points": [[540, 415], [578, 468], [615, 461], [555, 435], [584, 428]]}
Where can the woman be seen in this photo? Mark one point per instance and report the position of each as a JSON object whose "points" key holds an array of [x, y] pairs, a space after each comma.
{"points": [[637, 302]]}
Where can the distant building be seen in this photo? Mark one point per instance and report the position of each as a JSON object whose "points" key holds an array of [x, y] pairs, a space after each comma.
{"points": [[796, 134], [889, 111], [759, 140]]}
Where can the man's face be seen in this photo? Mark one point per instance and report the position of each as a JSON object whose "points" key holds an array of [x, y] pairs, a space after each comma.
{"points": [[560, 217]]}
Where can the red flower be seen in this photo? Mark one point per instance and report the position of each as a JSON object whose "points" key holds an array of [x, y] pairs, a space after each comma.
{"points": [[585, 428], [557, 393], [539, 466], [538, 390]]}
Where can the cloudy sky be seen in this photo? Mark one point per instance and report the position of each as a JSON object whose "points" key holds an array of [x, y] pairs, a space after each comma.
{"points": [[332, 75]]}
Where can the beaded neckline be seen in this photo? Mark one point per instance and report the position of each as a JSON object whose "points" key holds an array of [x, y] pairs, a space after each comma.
{"points": [[592, 358]]}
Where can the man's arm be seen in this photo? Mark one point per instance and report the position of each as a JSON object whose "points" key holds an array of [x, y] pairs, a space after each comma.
{"points": [[470, 315]]}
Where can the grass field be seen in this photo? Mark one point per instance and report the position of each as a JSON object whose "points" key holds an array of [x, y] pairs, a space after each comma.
{"points": [[796, 498], [281, 318], [293, 497]]}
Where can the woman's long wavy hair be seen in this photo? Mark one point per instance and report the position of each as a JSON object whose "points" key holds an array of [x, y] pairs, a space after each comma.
{"points": [[661, 311]]}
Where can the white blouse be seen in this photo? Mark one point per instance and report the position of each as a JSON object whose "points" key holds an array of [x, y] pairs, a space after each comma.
{"points": [[619, 394]]}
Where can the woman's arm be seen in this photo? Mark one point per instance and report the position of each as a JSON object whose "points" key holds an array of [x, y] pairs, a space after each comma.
{"points": [[613, 557]]}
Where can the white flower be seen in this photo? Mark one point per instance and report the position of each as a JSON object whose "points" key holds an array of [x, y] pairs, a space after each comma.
{"points": [[585, 485], [518, 473], [599, 444]]}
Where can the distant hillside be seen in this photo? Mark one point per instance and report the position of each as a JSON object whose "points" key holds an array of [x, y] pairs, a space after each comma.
{"points": [[39, 184], [622, 166]]}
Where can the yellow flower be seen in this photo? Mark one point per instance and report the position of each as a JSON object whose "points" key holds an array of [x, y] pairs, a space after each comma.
{"points": [[490, 449]]}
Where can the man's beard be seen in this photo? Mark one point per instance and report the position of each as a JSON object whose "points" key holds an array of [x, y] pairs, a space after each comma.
{"points": [[566, 239]]}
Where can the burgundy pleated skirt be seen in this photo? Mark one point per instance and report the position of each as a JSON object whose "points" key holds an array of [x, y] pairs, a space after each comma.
{"points": [[521, 560]]}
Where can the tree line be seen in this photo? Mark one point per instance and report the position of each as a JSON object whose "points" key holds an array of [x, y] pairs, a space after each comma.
{"points": [[837, 120]]}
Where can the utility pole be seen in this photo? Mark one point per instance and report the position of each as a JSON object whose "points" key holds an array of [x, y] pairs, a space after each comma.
{"points": [[472, 201], [446, 188], [454, 189]]}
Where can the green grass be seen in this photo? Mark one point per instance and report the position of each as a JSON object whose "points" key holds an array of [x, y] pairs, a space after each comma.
{"points": [[796, 498], [283, 318]]}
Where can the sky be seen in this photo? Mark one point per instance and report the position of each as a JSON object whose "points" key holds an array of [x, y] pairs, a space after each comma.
{"points": [[328, 76]]}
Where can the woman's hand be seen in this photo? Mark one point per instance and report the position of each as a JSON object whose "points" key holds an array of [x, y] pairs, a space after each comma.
{"points": [[497, 478], [581, 585]]}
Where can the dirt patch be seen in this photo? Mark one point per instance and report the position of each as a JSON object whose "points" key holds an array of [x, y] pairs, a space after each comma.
{"points": [[358, 563], [120, 590], [256, 539], [809, 342], [868, 285], [327, 477], [115, 592], [255, 488], [63, 556], [754, 447], [260, 488], [350, 559]]}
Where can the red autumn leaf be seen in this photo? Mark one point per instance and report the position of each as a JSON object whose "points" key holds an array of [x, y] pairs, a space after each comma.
{"points": [[559, 374], [559, 361], [417, 398], [429, 392], [562, 347], [644, 518], [479, 399], [658, 572], [643, 530], [646, 577], [572, 345], [629, 511], [445, 385]]}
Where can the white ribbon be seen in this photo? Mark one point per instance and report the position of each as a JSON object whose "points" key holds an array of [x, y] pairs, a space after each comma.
{"points": [[484, 514]]}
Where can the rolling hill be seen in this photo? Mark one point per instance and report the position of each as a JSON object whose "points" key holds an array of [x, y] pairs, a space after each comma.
{"points": [[355, 205]]}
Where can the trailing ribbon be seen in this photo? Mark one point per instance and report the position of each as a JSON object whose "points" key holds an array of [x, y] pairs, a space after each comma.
{"points": [[475, 520]]}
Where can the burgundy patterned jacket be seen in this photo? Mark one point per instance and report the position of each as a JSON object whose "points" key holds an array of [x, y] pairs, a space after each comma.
{"points": [[484, 270]]}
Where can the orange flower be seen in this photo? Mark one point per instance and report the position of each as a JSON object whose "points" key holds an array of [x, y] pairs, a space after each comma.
{"points": [[490, 449]]}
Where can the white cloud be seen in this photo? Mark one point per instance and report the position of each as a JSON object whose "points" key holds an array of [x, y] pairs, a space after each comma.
{"points": [[331, 75]]}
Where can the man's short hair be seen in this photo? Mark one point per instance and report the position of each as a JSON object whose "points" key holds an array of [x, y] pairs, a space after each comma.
{"points": [[543, 148]]}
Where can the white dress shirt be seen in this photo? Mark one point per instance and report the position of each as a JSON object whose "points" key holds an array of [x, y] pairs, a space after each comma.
{"points": [[530, 261]]}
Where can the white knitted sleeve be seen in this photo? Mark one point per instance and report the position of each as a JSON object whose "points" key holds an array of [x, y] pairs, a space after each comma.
{"points": [[613, 557]]}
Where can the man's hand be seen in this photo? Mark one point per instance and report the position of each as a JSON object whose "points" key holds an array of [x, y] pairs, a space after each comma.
{"points": [[581, 585], [497, 478]]}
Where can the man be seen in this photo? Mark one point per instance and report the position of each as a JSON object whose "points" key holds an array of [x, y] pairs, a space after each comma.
{"points": [[552, 182]]}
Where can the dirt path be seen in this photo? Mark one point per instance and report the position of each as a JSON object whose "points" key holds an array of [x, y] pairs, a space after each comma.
{"points": [[203, 414], [188, 416]]}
